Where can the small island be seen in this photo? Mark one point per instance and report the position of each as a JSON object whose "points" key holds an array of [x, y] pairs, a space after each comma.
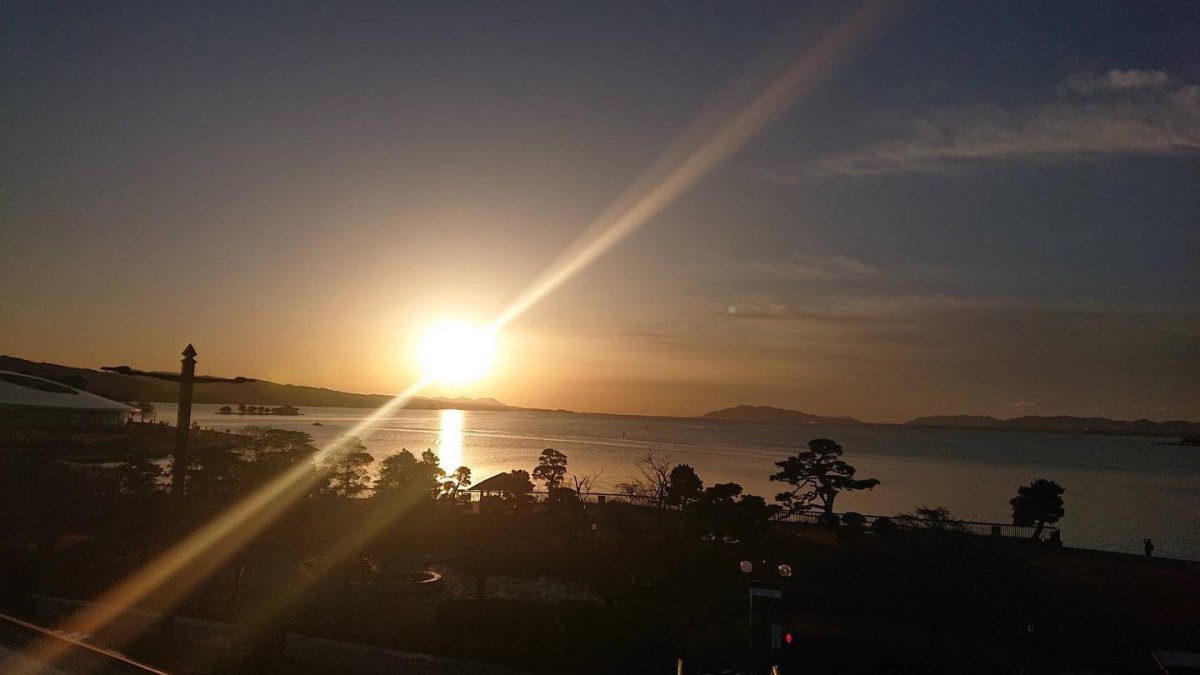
{"points": [[259, 410], [762, 413]]}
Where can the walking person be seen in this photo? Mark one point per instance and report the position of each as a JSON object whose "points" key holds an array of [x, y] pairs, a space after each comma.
{"points": [[1148, 546]]}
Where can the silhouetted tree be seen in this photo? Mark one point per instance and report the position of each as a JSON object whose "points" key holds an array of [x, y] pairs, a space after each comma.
{"points": [[268, 443], [225, 410], [520, 483], [1038, 504], [713, 511], [683, 486], [752, 516], [430, 472], [457, 481], [347, 467], [652, 481], [551, 468], [818, 474], [585, 483], [722, 510], [270, 453], [403, 474], [397, 474]]}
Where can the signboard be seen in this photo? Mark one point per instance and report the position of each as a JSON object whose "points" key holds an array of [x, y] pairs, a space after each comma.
{"points": [[765, 592]]}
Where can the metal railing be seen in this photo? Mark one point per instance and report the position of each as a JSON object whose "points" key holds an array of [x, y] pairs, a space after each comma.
{"points": [[869, 522], [908, 523]]}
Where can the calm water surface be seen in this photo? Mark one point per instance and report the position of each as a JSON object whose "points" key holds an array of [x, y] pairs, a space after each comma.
{"points": [[1120, 489]]}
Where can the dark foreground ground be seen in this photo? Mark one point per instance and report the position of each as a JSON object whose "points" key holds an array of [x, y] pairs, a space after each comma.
{"points": [[628, 598]]}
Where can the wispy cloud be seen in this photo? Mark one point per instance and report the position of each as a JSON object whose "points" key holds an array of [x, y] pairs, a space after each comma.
{"points": [[1123, 112], [810, 267], [1115, 80], [1023, 405], [855, 308], [924, 321]]}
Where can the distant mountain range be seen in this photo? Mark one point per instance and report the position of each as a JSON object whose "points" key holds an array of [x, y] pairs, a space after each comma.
{"points": [[1064, 425], [1060, 424], [134, 388], [763, 413]]}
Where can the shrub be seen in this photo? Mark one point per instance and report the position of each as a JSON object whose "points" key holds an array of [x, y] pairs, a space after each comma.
{"points": [[854, 520], [883, 526]]}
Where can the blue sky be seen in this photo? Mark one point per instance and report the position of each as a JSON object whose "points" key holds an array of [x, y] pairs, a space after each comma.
{"points": [[990, 208]]}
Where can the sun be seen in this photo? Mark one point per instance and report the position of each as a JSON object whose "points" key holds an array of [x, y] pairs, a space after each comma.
{"points": [[456, 352]]}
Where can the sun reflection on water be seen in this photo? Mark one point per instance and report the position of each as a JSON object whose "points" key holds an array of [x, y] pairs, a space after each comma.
{"points": [[450, 449]]}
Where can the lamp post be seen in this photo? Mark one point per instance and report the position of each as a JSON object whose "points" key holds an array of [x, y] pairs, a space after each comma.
{"points": [[769, 589], [183, 419]]}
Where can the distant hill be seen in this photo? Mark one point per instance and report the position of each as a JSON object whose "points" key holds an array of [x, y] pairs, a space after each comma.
{"points": [[1065, 425], [134, 388], [762, 413]]}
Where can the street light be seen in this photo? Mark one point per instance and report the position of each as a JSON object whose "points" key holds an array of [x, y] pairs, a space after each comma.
{"points": [[183, 419], [771, 591]]}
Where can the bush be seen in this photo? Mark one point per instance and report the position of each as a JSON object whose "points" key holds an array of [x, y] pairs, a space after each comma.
{"points": [[854, 520], [883, 526], [828, 520]]}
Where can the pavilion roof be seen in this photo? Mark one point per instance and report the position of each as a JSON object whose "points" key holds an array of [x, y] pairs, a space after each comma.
{"points": [[502, 482]]}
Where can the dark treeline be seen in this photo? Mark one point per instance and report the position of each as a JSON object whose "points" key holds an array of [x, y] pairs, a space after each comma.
{"points": [[656, 574]]}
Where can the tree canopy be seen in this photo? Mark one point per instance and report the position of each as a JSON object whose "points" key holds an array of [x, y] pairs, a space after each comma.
{"points": [[683, 485], [348, 470], [723, 511], [1038, 504], [403, 474], [818, 474], [270, 452], [551, 468]]}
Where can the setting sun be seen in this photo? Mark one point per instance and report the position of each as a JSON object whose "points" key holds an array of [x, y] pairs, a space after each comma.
{"points": [[455, 352]]}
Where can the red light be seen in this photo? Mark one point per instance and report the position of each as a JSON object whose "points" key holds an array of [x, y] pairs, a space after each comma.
{"points": [[787, 637]]}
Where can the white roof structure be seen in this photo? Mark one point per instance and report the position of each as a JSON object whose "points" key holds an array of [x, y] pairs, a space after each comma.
{"points": [[25, 391]]}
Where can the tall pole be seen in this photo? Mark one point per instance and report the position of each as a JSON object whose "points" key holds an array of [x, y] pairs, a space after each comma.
{"points": [[183, 419], [183, 422]]}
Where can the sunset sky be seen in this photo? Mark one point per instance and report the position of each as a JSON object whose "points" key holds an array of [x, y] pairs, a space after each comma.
{"points": [[988, 208]]}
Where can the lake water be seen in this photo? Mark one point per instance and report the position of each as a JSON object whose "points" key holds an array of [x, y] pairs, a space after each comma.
{"points": [[1119, 489]]}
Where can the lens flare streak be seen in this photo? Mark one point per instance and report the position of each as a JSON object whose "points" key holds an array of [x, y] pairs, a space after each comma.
{"points": [[667, 180]]}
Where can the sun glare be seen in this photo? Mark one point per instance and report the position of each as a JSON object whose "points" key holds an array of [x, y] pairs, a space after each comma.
{"points": [[455, 352], [450, 440]]}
